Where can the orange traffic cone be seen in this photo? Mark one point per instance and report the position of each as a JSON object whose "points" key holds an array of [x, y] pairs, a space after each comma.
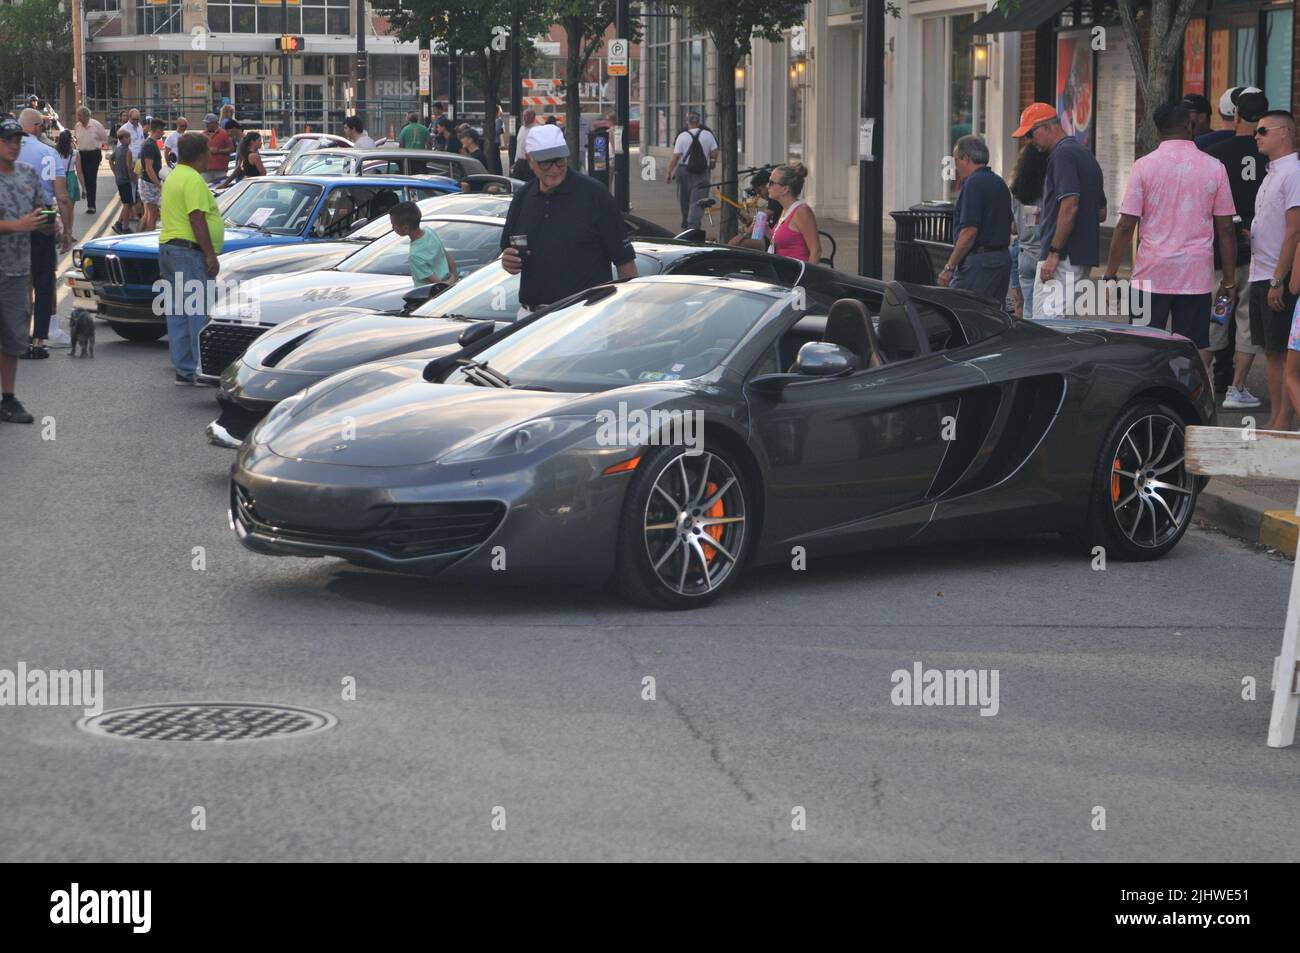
{"points": [[273, 145]]}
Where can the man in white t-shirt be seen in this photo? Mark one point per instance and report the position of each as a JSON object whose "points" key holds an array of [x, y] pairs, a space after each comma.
{"points": [[137, 132], [172, 143], [690, 165]]}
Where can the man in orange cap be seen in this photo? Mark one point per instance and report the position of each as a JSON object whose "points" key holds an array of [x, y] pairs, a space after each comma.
{"points": [[1073, 207]]}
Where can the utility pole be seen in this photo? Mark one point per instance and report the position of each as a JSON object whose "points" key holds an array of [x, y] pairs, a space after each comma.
{"points": [[871, 136], [361, 63], [622, 110], [286, 80], [516, 86], [78, 58], [453, 80]]}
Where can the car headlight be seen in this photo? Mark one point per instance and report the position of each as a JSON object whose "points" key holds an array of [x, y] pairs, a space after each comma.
{"points": [[521, 438], [76, 257]]}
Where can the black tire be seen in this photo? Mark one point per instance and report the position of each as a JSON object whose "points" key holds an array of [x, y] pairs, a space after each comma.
{"points": [[138, 332], [1140, 509], [698, 559]]}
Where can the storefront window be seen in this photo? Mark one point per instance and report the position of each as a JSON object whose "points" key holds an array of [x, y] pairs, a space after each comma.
{"points": [[310, 17], [1277, 57], [1250, 48], [690, 67], [656, 52], [948, 93], [796, 95]]}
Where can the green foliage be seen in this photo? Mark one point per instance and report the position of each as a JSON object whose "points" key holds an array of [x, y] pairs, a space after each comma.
{"points": [[735, 24], [36, 36]]}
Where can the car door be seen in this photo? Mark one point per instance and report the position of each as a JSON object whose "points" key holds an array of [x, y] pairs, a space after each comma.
{"points": [[843, 454]]}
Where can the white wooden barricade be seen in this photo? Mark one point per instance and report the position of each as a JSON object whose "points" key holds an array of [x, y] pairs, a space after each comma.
{"points": [[1246, 452]]}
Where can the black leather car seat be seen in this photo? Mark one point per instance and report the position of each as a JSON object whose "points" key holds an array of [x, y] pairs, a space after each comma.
{"points": [[849, 325]]}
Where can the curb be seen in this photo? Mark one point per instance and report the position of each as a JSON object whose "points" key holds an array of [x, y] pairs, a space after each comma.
{"points": [[1250, 516]]}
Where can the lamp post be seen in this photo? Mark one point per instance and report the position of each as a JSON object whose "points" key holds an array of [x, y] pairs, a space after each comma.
{"points": [[871, 134], [979, 75]]}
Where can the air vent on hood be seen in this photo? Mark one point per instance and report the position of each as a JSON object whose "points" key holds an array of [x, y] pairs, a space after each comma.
{"points": [[284, 350]]}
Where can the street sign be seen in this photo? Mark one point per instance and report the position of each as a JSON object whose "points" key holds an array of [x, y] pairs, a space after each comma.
{"points": [[616, 57], [424, 72]]}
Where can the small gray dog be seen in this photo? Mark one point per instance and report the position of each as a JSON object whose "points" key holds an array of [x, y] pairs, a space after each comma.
{"points": [[82, 326]]}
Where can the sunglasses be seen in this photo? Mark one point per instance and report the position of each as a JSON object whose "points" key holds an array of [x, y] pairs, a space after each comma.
{"points": [[1264, 130], [552, 163]]}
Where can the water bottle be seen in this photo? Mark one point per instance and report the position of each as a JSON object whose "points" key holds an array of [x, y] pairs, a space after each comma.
{"points": [[760, 226], [1219, 313]]}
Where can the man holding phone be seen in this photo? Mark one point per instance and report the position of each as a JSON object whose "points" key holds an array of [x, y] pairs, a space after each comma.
{"points": [[562, 231], [22, 202]]}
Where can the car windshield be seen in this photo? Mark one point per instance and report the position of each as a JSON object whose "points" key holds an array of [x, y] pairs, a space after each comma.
{"points": [[627, 334], [487, 295], [279, 207], [472, 245], [328, 164]]}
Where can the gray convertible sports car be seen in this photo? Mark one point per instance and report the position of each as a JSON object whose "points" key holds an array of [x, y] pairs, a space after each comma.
{"points": [[663, 433]]}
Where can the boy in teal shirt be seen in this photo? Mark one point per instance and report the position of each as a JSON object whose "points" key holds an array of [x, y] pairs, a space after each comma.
{"points": [[430, 261]]}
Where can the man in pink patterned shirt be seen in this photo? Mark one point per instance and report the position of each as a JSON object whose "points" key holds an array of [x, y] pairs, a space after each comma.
{"points": [[1183, 200]]}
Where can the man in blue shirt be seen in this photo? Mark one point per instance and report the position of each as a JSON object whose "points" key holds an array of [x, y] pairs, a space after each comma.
{"points": [[981, 225], [1073, 208], [45, 248]]}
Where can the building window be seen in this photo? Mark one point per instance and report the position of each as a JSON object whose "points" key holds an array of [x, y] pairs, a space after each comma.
{"points": [[690, 74], [656, 49], [158, 17], [948, 92], [797, 77], [310, 18], [103, 83]]}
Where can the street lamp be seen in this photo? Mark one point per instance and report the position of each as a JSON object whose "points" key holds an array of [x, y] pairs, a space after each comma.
{"points": [[979, 51]]}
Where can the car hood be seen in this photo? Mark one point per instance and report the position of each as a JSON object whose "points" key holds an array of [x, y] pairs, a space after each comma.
{"points": [[145, 244], [392, 417], [274, 299], [253, 262], [325, 347]]}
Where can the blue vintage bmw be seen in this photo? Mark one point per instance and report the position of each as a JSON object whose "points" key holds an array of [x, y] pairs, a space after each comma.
{"points": [[276, 210]]}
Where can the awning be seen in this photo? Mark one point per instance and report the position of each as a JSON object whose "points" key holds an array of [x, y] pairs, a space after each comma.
{"points": [[1030, 15]]}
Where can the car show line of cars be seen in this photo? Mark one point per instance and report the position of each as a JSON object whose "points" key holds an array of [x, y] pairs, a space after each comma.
{"points": [[835, 412]]}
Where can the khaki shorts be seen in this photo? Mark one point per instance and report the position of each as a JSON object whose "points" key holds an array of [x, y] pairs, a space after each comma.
{"points": [[15, 320], [1219, 332]]}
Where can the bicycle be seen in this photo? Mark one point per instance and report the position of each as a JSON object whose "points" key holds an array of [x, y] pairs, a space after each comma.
{"points": [[746, 209]]}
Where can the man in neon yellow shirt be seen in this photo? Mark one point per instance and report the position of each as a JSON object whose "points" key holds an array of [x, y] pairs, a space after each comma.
{"points": [[191, 237]]}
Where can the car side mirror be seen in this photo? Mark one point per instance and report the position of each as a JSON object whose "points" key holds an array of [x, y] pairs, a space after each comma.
{"points": [[476, 332], [357, 224], [820, 359], [771, 385], [422, 293]]}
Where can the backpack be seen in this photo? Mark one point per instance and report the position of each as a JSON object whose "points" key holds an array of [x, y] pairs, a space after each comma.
{"points": [[696, 160]]}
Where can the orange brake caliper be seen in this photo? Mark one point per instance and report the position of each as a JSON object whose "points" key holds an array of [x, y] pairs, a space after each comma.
{"points": [[1114, 483], [715, 531]]}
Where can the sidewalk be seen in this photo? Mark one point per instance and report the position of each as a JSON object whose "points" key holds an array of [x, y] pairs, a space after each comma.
{"points": [[1261, 511]]}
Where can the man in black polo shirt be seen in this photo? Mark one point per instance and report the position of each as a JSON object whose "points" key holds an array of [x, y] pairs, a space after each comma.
{"points": [[982, 223], [573, 227]]}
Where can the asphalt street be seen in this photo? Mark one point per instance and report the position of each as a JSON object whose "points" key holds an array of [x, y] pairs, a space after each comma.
{"points": [[1119, 689]]}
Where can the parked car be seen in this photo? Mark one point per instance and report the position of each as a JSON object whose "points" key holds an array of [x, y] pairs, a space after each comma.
{"points": [[279, 362], [297, 145], [383, 161], [665, 433], [271, 210], [377, 275]]}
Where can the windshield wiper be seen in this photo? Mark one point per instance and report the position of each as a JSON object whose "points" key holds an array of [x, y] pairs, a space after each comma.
{"points": [[257, 228], [480, 373]]}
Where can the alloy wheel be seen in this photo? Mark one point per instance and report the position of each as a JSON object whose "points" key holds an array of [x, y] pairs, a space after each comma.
{"points": [[1151, 490], [695, 523]]}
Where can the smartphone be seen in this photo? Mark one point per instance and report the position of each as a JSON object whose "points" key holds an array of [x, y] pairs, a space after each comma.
{"points": [[49, 216]]}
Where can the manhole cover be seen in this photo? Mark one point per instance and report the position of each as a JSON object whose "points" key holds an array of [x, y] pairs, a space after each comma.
{"points": [[206, 721]]}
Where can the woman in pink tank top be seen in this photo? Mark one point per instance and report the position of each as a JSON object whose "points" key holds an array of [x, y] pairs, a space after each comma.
{"points": [[795, 234]]}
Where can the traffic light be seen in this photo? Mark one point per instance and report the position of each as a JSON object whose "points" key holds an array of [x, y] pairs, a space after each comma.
{"points": [[289, 44]]}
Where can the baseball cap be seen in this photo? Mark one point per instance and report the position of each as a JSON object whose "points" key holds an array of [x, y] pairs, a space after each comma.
{"points": [[1252, 106], [1034, 114], [547, 142], [10, 127], [1228, 101], [210, 117], [1197, 103]]}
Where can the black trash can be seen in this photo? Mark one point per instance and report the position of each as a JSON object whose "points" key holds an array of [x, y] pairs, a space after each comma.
{"points": [[922, 241]]}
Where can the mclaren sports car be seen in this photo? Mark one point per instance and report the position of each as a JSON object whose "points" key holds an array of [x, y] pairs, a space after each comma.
{"points": [[662, 434]]}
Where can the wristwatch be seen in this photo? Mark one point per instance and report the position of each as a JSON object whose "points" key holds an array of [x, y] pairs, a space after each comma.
{"points": [[1053, 250], [1110, 277], [1275, 282], [946, 269]]}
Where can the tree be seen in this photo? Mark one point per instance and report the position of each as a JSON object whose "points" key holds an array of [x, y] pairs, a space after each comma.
{"points": [[473, 29], [36, 36], [585, 23], [733, 25]]}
